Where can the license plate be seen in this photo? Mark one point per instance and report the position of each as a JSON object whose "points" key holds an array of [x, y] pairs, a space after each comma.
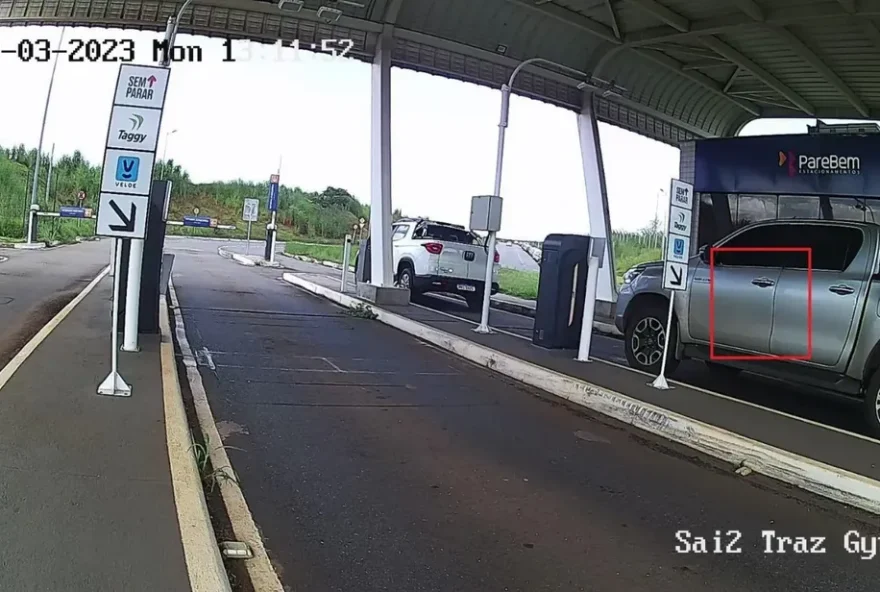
{"points": [[467, 288]]}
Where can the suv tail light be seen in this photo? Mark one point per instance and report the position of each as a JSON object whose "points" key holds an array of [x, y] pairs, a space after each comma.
{"points": [[433, 248], [497, 257]]}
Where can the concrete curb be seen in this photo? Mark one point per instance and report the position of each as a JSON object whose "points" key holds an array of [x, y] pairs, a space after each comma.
{"points": [[259, 567], [808, 474], [204, 563], [240, 259], [29, 246]]}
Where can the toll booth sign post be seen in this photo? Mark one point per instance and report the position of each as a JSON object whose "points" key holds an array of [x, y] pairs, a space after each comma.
{"points": [[676, 256], [271, 229], [249, 215], [114, 385], [486, 216], [346, 254]]}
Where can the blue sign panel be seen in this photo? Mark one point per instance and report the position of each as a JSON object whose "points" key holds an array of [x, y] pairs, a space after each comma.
{"points": [[73, 212], [796, 164], [127, 169], [678, 247], [197, 221], [273, 195]]}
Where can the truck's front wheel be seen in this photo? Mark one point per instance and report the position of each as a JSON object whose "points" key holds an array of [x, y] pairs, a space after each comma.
{"points": [[871, 404], [645, 336]]}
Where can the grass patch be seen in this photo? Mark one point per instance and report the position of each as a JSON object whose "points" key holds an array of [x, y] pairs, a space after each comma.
{"points": [[320, 252], [522, 284]]}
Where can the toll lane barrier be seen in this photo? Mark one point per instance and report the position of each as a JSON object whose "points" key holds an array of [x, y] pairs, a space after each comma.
{"points": [[808, 474]]}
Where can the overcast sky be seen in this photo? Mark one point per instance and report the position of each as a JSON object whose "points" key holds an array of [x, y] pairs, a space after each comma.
{"points": [[235, 120]]}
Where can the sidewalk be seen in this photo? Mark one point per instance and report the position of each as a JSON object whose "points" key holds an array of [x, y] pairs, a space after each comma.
{"points": [[86, 499]]}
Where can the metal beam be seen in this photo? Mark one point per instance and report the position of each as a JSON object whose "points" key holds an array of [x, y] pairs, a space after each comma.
{"points": [[730, 80], [806, 54], [749, 7], [700, 79], [758, 98], [820, 11], [705, 65], [613, 16], [758, 72], [688, 50], [670, 17], [570, 17]]}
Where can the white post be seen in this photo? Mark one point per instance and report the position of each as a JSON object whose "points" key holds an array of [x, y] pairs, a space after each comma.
{"points": [[32, 219], [660, 381], [113, 258], [499, 165], [273, 236], [589, 309], [49, 175], [113, 385], [247, 248], [133, 295], [382, 273], [346, 253]]}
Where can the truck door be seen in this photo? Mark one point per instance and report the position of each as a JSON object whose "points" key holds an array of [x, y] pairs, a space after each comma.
{"points": [[840, 261], [743, 288]]}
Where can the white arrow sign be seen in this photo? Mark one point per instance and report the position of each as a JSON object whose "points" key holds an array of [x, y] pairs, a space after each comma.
{"points": [[122, 216]]}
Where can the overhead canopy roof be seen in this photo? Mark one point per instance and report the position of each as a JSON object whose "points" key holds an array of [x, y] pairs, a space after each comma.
{"points": [[668, 69]]}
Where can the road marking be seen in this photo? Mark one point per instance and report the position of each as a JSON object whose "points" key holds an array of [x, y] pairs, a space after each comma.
{"points": [[201, 552], [25, 352], [259, 568], [338, 369], [207, 357], [323, 371]]}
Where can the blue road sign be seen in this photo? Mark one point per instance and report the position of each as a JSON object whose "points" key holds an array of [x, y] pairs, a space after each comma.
{"points": [[74, 212], [678, 247], [197, 221], [127, 169], [273, 193]]}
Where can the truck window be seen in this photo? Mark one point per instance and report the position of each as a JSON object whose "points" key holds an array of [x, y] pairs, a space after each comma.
{"points": [[399, 231], [758, 238], [834, 247], [450, 234]]}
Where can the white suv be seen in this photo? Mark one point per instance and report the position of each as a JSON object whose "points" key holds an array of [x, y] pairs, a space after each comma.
{"points": [[438, 257]]}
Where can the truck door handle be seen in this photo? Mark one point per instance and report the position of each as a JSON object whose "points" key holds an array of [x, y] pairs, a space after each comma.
{"points": [[763, 282], [841, 289]]}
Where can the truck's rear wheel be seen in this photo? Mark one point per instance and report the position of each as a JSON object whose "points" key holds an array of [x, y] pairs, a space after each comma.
{"points": [[644, 338], [871, 404]]}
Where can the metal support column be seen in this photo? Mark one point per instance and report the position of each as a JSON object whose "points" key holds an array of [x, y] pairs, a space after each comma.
{"points": [[382, 273], [600, 281], [597, 198]]}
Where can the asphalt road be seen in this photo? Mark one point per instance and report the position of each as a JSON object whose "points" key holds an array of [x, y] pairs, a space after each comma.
{"points": [[835, 411], [34, 285], [372, 461]]}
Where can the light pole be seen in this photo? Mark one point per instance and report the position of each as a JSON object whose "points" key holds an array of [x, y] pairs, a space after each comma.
{"points": [[32, 213], [499, 161], [165, 152]]}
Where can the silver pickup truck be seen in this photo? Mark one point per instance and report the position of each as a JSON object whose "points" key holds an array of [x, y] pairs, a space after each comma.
{"points": [[765, 313]]}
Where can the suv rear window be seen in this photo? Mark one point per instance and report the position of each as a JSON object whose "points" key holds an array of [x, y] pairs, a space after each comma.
{"points": [[448, 234]]}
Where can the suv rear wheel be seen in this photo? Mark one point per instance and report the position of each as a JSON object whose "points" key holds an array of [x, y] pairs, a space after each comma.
{"points": [[644, 338], [405, 277]]}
